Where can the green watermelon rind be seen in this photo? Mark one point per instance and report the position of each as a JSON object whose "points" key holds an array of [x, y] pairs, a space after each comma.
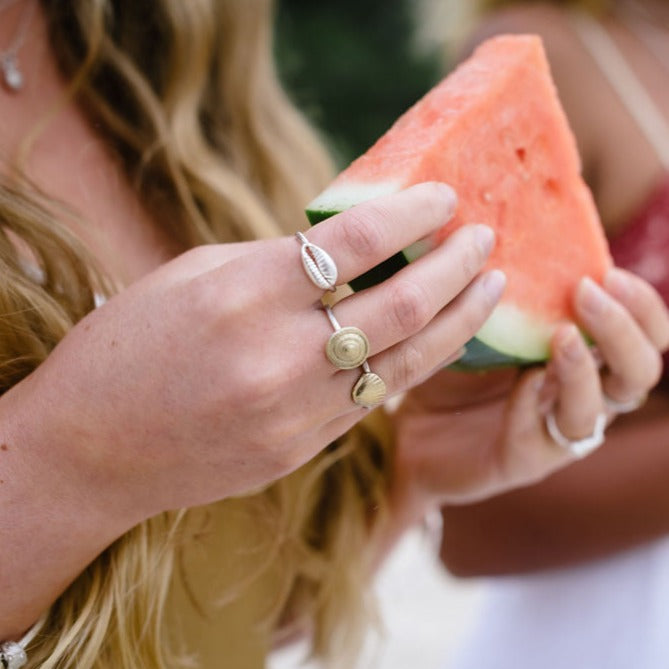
{"points": [[480, 355]]}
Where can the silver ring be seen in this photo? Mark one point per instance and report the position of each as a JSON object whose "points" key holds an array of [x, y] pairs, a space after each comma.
{"points": [[614, 406], [318, 264], [579, 447], [347, 347]]}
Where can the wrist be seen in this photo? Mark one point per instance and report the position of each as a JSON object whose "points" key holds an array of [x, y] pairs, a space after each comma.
{"points": [[57, 512]]}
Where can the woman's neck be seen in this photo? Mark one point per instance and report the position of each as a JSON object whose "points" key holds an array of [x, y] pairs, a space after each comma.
{"points": [[45, 135]]}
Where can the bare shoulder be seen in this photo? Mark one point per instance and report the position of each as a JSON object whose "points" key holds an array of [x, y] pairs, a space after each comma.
{"points": [[549, 21], [553, 23]]}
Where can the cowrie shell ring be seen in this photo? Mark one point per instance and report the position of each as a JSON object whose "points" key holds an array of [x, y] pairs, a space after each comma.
{"points": [[318, 264]]}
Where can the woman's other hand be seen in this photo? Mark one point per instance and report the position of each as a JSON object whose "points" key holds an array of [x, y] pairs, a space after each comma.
{"points": [[463, 437]]}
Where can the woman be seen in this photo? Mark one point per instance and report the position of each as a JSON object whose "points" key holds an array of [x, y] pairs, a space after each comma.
{"points": [[141, 131], [586, 549]]}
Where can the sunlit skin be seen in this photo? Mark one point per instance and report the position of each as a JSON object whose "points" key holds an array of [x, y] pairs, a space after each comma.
{"points": [[131, 405]]}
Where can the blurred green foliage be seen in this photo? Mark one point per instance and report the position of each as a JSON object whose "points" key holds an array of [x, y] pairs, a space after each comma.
{"points": [[352, 66]]}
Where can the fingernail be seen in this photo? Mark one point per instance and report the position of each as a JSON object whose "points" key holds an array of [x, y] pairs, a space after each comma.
{"points": [[617, 284], [568, 342], [485, 238], [494, 283], [447, 193], [591, 297]]}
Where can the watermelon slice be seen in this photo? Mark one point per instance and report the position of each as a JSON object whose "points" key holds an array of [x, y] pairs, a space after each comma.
{"points": [[495, 131]]}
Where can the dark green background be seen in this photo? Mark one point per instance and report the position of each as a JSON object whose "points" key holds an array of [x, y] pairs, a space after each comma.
{"points": [[352, 66]]}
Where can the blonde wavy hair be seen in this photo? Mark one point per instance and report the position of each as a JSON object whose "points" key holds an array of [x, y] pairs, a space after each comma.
{"points": [[186, 95]]}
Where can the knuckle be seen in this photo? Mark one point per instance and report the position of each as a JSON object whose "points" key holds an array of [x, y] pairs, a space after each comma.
{"points": [[408, 367], [258, 394], [282, 438], [277, 456], [199, 296], [273, 434], [409, 307], [361, 232], [209, 302]]}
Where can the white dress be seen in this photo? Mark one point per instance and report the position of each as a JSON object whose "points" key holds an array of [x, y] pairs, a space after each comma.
{"points": [[611, 613]]}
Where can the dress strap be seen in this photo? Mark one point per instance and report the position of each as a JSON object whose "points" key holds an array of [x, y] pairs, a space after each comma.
{"points": [[625, 82]]}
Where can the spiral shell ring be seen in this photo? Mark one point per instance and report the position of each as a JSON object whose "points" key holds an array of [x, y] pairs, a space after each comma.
{"points": [[348, 348]]}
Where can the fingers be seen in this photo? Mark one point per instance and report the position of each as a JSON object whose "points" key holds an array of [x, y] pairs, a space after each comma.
{"points": [[633, 362], [520, 462], [578, 399], [643, 303], [629, 325], [410, 361], [365, 235], [357, 240], [404, 304], [419, 317]]}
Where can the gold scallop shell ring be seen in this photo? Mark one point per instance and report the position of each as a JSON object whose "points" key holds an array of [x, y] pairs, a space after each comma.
{"points": [[369, 390]]}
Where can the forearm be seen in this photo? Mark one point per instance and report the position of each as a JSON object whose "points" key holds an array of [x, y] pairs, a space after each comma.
{"points": [[56, 518], [613, 500]]}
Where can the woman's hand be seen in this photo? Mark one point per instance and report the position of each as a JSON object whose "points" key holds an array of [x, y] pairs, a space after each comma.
{"points": [[464, 437], [208, 377]]}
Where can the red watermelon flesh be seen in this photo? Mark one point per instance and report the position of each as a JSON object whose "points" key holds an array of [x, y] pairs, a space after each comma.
{"points": [[495, 131]]}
